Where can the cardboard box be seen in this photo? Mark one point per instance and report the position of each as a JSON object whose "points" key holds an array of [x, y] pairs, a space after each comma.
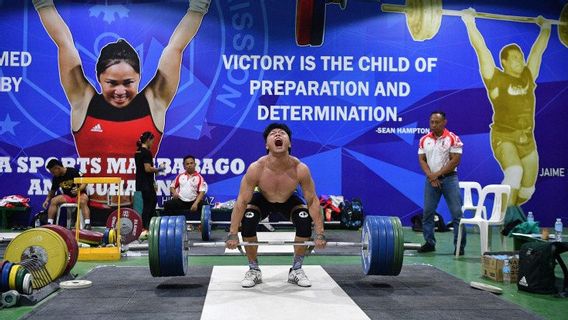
{"points": [[492, 267]]}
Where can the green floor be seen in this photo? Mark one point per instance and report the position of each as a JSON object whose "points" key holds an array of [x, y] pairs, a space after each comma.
{"points": [[467, 268]]}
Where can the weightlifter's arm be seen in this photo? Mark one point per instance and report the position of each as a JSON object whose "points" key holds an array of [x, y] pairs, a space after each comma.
{"points": [[537, 50], [249, 181], [77, 89], [309, 190], [50, 195], [78, 188], [165, 83], [484, 57]]}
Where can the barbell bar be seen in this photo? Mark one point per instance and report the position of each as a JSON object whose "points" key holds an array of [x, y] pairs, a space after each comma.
{"points": [[206, 227], [276, 243], [382, 246], [275, 223], [206, 222], [423, 18], [407, 246]]}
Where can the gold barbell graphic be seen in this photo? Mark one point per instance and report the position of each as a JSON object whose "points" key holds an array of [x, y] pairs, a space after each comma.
{"points": [[423, 18]]}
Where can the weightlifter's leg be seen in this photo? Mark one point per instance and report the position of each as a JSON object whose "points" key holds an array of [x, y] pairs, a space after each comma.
{"points": [[250, 220], [303, 222]]}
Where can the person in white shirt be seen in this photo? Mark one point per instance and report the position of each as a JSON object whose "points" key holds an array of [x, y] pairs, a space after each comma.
{"points": [[439, 154], [187, 190]]}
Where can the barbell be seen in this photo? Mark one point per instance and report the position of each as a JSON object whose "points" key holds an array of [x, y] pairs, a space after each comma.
{"points": [[382, 246], [423, 18], [206, 222], [310, 20]]}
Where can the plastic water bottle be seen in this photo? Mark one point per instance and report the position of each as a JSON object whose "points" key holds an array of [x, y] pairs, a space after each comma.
{"points": [[506, 271], [530, 217], [558, 230]]}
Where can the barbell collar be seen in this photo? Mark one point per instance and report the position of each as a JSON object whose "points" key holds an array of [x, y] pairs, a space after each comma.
{"points": [[390, 7], [412, 246]]}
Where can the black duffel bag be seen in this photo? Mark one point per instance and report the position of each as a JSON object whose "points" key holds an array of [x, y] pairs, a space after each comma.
{"points": [[537, 261]]}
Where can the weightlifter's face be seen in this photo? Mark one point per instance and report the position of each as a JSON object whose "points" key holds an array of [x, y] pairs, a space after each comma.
{"points": [[57, 171], [119, 84], [515, 63], [278, 141]]}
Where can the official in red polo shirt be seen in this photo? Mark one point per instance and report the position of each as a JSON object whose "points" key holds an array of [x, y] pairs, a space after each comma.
{"points": [[439, 154], [187, 190]]}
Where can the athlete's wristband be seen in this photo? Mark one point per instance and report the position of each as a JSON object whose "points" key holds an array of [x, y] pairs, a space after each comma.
{"points": [[200, 6], [38, 4]]}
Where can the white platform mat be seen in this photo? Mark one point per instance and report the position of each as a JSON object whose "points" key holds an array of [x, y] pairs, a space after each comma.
{"points": [[275, 298]]}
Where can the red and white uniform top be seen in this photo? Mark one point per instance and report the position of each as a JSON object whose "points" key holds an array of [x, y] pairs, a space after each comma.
{"points": [[438, 149], [189, 185]]}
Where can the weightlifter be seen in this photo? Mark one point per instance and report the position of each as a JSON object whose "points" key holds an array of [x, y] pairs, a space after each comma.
{"points": [[63, 179], [511, 91], [277, 175]]}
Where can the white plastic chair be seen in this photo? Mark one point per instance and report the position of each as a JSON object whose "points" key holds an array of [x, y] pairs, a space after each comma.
{"points": [[501, 197], [71, 208], [468, 187]]}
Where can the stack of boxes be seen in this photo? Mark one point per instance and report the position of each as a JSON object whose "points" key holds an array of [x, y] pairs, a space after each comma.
{"points": [[492, 265]]}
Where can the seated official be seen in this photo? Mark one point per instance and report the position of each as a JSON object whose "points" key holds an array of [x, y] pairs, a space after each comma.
{"points": [[187, 190], [63, 179]]}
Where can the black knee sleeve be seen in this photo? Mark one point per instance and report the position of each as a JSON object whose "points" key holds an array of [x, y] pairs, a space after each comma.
{"points": [[303, 222], [249, 222]]}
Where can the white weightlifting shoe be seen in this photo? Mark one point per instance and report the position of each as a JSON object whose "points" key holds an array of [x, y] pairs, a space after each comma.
{"points": [[252, 277], [299, 277]]}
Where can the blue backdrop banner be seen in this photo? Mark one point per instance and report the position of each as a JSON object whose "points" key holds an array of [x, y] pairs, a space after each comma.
{"points": [[355, 85]]}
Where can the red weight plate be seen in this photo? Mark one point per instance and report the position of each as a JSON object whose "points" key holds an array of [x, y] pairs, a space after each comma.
{"points": [[89, 237], [70, 241], [131, 224], [304, 14]]}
